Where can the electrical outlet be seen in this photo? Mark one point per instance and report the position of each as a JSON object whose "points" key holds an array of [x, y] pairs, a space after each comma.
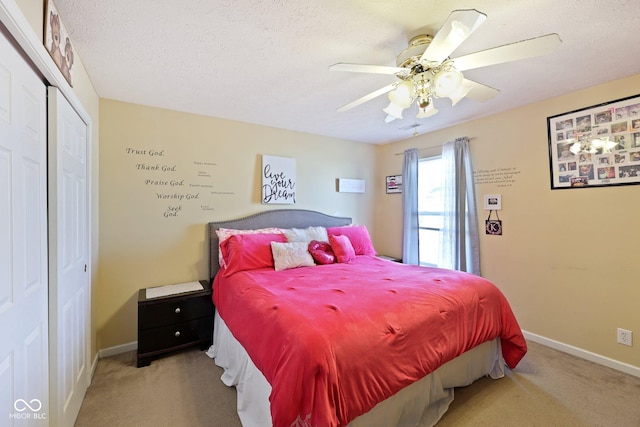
{"points": [[624, 337]]}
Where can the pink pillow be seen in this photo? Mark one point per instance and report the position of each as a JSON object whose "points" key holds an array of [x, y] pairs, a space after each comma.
{"points": [[321, 252], [342, 247], [224, 233], [249, 251], [359, 237]]}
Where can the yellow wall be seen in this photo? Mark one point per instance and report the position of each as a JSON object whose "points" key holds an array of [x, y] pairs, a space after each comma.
{"points": [[33, 10], [140, 247], [567, 258]]}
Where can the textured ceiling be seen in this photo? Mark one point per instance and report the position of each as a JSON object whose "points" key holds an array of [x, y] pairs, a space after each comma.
{"points": [[265, 62]]}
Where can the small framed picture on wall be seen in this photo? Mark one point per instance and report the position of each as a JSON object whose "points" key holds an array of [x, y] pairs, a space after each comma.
{"points": [[57, 41], [394, 184], [493, 202]]}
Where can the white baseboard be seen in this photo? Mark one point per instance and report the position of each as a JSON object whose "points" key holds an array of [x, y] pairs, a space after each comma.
{"points": [[123, 348], [583, 354]]}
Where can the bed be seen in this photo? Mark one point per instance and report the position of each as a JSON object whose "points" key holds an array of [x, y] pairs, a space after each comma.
{"points": [[362, 342]]}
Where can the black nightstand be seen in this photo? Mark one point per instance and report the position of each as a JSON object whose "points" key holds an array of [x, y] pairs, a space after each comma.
{"points": [[173, 322]]}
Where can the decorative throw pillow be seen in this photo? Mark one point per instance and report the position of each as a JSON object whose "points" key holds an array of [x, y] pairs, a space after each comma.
{"points": [[342, 247], [249, 251], [306, 234], [321, 252], [224, 233], [291, 255], [359, 237]]}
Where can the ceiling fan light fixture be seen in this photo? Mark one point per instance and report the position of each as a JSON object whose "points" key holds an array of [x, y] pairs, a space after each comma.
{"points": [[446, 82], [459, 93], [394, 110], [426, 70], [402, 95], [428, 111]]}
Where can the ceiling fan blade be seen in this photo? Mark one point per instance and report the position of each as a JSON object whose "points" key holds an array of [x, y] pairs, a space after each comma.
{"points": [[362, 68], [480, 92], [458, 26], [509, 52], [367, 97]]}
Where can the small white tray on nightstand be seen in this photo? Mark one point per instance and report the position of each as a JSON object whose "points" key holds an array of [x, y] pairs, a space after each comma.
{"points": [[179, 288]]}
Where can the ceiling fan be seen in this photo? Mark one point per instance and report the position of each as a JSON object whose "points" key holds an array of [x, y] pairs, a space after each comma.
{"points": [[425, 70]]}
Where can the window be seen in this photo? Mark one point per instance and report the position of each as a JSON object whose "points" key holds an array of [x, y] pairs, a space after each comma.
{"points": [[430, 209]]}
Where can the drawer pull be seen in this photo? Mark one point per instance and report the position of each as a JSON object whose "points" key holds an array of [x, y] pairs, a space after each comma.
{"points": [[178, 310], [177, 334]]}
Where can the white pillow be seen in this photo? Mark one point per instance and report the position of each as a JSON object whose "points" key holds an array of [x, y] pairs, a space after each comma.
{"points": [[291, 255], [306, 234]]}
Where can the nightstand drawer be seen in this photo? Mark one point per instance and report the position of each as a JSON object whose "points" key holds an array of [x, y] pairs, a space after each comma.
{"points": [[170, 336], [171, 312]]}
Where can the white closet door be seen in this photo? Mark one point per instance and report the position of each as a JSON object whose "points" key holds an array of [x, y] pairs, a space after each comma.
{"points": [[23, 243], [69, 298]]}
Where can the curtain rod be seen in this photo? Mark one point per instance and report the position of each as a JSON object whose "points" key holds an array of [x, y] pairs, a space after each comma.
{"points": [[433, 146]]}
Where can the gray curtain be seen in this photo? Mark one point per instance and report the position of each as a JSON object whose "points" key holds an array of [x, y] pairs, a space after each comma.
{"points": [[460, 239], [410, 232]]}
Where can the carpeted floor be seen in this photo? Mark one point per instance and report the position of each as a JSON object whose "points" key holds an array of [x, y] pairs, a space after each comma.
{"points": [[548, 388]]}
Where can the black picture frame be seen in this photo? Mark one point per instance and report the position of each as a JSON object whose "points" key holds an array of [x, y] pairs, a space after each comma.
{"points": [[596, 146], [393, 184]]}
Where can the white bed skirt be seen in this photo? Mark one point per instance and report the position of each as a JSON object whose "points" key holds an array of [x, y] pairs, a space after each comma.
{"points": [[421, 404]]}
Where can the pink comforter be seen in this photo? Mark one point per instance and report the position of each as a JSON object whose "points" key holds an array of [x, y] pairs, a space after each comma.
{"points": [[334, 340]]}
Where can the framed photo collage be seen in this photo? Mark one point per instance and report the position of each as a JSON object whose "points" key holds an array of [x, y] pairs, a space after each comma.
{"points": [[596, 146]]}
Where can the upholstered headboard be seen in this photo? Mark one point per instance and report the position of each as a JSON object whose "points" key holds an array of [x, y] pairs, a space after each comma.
{"points": [[282, 218]]}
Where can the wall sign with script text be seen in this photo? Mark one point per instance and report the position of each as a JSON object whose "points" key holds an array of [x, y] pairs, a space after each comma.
{"points": [[278, 180]]}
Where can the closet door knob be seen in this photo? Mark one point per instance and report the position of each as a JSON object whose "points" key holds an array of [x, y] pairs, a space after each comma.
{"points": [[178, 310], [177, 334]]}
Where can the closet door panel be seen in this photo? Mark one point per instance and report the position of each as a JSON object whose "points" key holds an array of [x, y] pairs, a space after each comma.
{"points": [[23, 242], [68, 259]]}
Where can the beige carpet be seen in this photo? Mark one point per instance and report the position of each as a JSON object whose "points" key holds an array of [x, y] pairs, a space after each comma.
{"points": [[548, 388]]}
